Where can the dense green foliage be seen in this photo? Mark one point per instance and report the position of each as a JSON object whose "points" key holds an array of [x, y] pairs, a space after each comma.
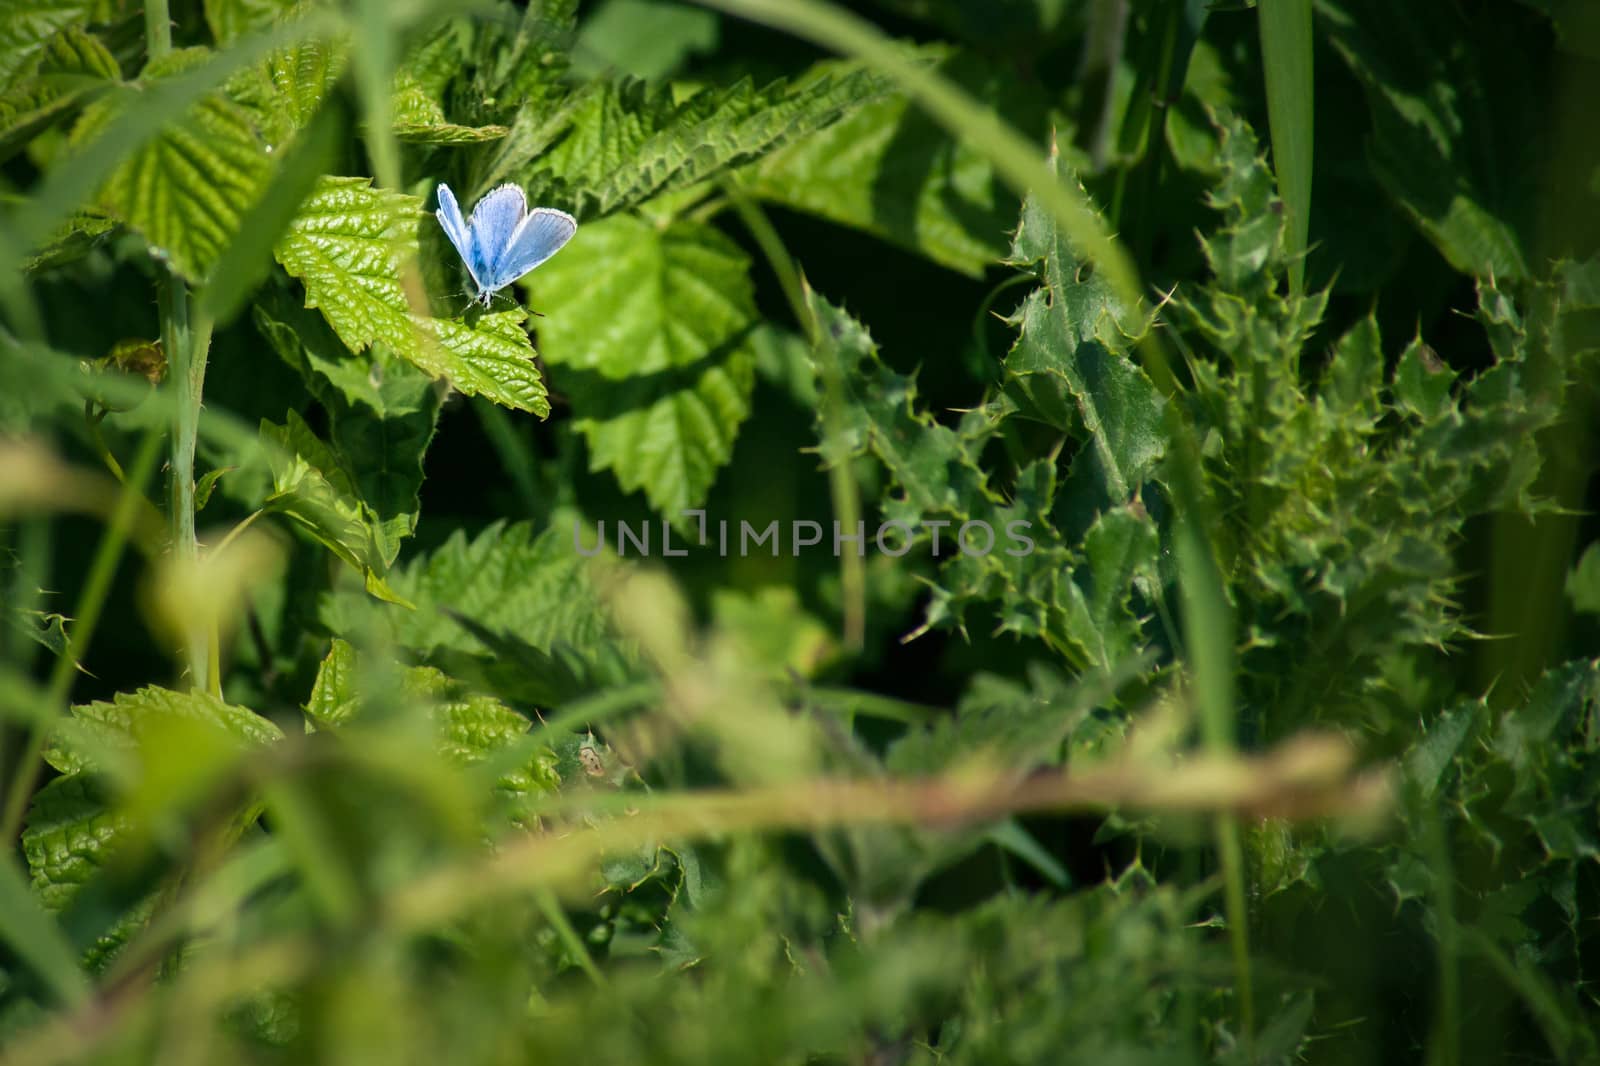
{"points": [[498, 711]]}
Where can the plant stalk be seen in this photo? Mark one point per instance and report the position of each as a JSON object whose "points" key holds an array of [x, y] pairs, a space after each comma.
{"points": [[187, 342], [157, 28], [86, 614]]}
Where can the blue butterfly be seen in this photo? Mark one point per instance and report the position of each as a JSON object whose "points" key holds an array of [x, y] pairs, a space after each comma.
{"points": [[503, 240]]}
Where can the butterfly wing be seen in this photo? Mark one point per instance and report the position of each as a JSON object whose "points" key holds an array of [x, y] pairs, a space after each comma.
{"points": [[542, 234], [456, 228], [494, 222]]}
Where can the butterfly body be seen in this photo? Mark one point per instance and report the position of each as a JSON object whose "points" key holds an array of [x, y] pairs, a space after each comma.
{"points": [[502, 240]]}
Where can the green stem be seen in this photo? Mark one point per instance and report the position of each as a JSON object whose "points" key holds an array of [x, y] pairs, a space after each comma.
{"points": [[1444, 1049], [157, 28], [1286, 59], [97, 586], [186, 343], [841, 479], [550, 907]]}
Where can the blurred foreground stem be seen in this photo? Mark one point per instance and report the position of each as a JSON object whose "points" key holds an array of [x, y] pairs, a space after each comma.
{"points": [[187, 342], [85, 615]]}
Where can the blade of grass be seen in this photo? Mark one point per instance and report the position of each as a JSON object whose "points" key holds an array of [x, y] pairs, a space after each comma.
{"points": [[36, 938], [96, 587], [1286, 57]]}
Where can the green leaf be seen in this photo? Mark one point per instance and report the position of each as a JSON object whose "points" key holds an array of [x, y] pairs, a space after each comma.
{"points": [[1069, 364], [349, 246], [661, 391], [1453, 153], [70, 836], [1583, 583], [471, 727], [382, 412], [630, 142], [888, 169], [313, 488], [506, 582], [1015, 561], [80, 234], [102, 730], [73, 69], [26, 31], [644, 38], [185, 189], [417, 101], [230, 19]]}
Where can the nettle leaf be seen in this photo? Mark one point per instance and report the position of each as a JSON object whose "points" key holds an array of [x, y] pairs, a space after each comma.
{"points": [[185, 189], [70, 835], [418, 97], [1461, 160], [100, 730], [491, 599], [1000, 549], [73, 68], [382, 412], [470, 726], [26, 30], [644, 38], [231, 19], [78, 235], [631, 141], [350, 245], [311, 486], [1070, 367], [888, 169], [648, 329]]}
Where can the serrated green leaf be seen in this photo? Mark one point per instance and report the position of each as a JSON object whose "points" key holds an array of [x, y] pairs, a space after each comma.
{"points": [[349, 246], [73, 68], [1454, 156], [26, 30], [889, 170], [79, 235], [71, 834], [100, 730], [230, 19], [631, 142], [382, 412], [648, 329], [1070, 341], [471, 727], [333, 694], [311, 486], [1017, 563], [534, 590], [185, 189]]}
